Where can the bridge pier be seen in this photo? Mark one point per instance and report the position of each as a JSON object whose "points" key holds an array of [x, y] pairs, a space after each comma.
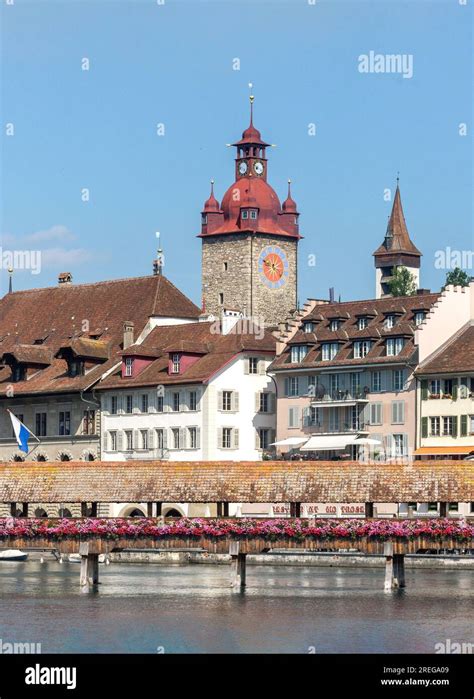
{"points": [[394, 568], [238, 567], [89, 575]]}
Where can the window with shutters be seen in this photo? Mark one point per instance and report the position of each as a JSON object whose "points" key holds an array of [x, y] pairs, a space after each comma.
{"points": [[398, 412], [435, 388], [376, 413], [88, 422], [129, 404], [293, 417], [264, 402], [293, 386], [264, 437], [253, 365], [160, 438], [398, 445], [129, 440], [113, 405], [144, 403], [113, 441], [144, 439], [376, 381], [226, 400], [175, 401], [448, 387], [435, 426]]}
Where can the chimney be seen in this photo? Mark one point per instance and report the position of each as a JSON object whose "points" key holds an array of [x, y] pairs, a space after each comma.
{"points": [[128, 339], [65, 278], [331, 294]]}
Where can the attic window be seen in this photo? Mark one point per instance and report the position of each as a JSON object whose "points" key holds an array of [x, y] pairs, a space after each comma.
{"points": [[308, 326], [128, 366], [245, 213], [75, 368], [390, 321], [334, 325], [362, 323], [19, 373], [253, 214], [419, 317], [175, 363]]}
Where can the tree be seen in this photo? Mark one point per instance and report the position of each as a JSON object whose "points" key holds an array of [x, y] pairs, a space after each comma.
{"points": [[402, 282], [457, 277]]}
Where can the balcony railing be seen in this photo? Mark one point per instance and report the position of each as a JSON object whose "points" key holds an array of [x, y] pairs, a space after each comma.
{"points": [[341, 428], [340, 396]]}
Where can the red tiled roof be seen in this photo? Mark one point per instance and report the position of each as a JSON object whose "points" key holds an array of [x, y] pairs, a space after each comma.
{"points": [[348, 312], [454, 356], [57, 316], [218, 350]]}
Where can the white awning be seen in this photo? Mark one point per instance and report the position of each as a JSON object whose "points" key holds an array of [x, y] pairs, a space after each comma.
{"points": [[337, 441], [367, 441], [289, 441]]}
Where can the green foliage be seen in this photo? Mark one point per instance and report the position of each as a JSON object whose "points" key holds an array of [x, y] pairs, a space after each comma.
{"points": [[402, 282], [457, 277]]}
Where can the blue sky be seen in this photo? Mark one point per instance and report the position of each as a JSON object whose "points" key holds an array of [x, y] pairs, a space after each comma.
{"points": [[173, 63]]}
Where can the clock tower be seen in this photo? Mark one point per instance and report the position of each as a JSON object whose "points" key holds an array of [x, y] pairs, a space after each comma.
{"points": [[250, 240]]}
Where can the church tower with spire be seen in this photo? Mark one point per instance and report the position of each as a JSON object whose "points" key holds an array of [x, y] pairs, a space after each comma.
{"points": [[250, 240], [396, 250]]}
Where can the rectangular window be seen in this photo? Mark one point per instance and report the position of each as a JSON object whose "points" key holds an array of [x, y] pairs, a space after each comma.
{"points": [[448, 387], [41, 423], [160, 439], [129, 440], [362, 348], [226, 400], [398, 412], [226, 437], [264, 402], [264, 437], [175, 431], [64, 422], [192, 437], [435, 388], [314, 416], [419, 317], [376, 381], [128, 366], [253, 365], [399, 445], [362, 323], [308, 327], [397, 380], [175, 363], [144, 439], [334, 325], [192, 400], [334, 384], [298, 353], [144, 402], [253, 214], [293, 386], [175, 402], [129, 404], [293, 417], [435, 426], [376, 413], [395, 346], [448, 426], [389, 322], [221, 298], [113, 441], [88, 422], [355, 384], [329, 350], [245, 213], [114, 405], [471, 424], [159, 404]]}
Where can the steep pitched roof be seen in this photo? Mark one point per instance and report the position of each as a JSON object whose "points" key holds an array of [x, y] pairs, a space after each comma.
{"points": [[397, 239], [61, 316], [348, 313], [454, 356], [203, 339]]}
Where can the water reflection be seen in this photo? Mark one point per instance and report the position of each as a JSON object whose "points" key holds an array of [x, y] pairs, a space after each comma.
{"points": [[139, 608]]}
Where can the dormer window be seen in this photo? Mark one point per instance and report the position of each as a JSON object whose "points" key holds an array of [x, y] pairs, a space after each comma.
{"points": [[362, 349], [394, 346], [298, 353], [335, 324], [175, 363], [245, 213], [76, 368], [128, 366], [390, 321], [419, 317], [19, 373], [253, 214], [329, 350], [362, 323], [308, 326]]}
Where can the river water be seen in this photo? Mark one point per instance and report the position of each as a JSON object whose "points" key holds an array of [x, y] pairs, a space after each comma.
{"points": [[190, 609]]}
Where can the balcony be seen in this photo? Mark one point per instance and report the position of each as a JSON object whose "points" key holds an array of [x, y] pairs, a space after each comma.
{"points": [[340, 398], [341, 428]]}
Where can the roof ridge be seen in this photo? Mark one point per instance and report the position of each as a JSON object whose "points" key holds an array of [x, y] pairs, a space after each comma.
{"points": [[439, 350]]}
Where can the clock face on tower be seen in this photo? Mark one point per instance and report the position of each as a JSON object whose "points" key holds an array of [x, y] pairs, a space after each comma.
{"points": [[273, 267], [243, 167], [258, 167]]}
